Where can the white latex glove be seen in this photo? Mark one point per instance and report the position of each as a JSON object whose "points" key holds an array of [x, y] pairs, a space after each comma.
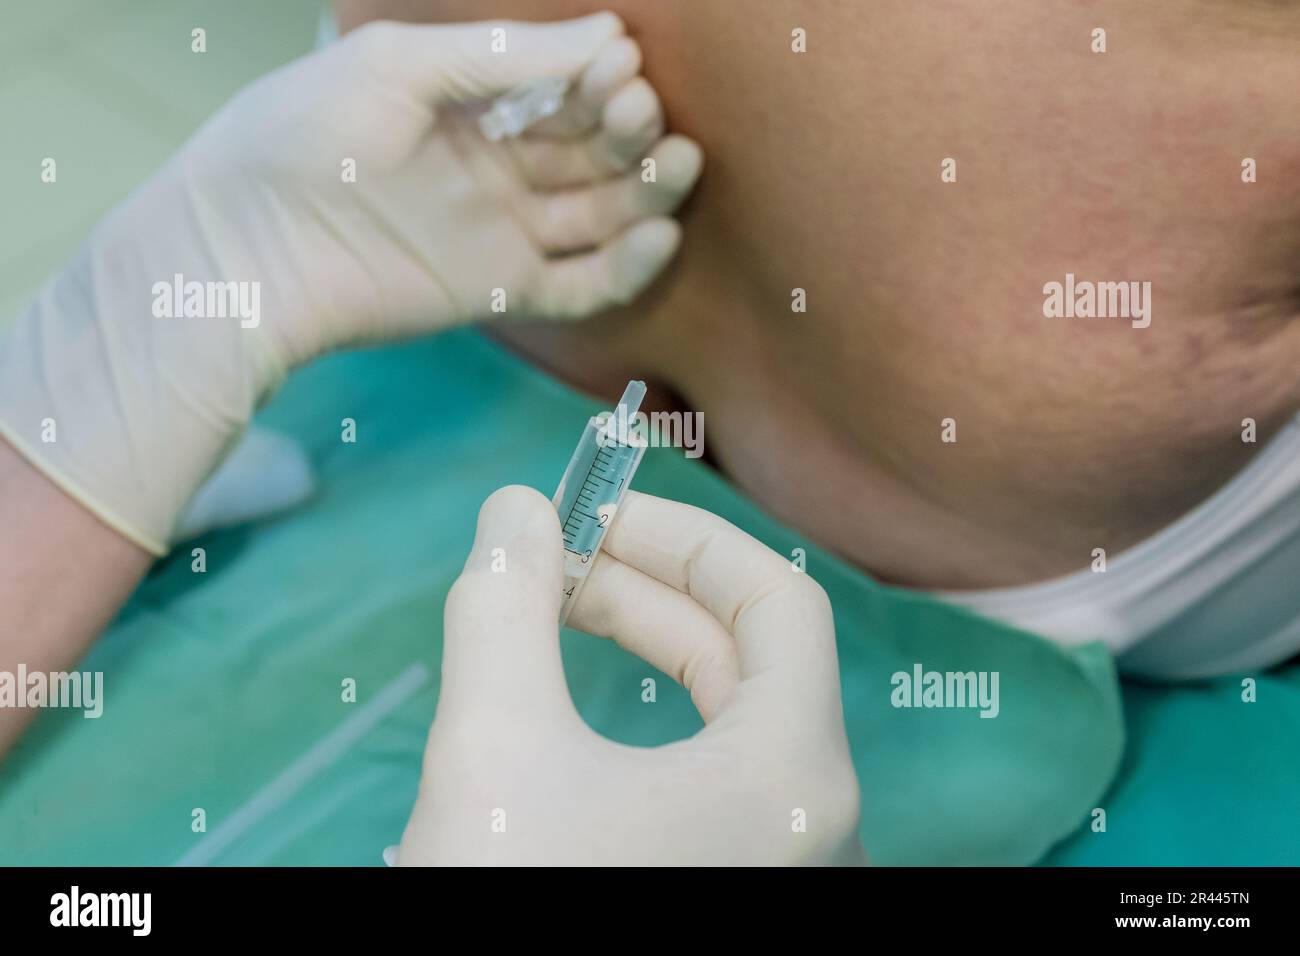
{"points": [[512, 775], [142, 408]]}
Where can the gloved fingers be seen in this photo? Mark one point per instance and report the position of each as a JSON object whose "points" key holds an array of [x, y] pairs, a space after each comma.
{"points": [[631, 123], [781, 618], [580, 218], [663, 627], [501, 648], [617, 63], [471, 62], [577, 286]]}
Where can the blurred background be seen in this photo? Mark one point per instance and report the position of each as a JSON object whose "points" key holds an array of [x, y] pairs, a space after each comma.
{"points": [[109, 89]]}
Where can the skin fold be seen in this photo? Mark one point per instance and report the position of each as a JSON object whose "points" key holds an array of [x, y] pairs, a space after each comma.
{"points": [[925, 298]]}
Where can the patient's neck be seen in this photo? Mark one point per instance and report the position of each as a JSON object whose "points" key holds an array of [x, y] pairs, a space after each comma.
{"points": [[711, 341], [831, 421]]}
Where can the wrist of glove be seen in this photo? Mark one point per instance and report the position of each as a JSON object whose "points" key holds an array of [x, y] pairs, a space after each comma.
{"points": [[125, 413]]}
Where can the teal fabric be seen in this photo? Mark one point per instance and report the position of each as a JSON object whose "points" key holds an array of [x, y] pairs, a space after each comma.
{"points": [[1208, 778], [224, 689]]}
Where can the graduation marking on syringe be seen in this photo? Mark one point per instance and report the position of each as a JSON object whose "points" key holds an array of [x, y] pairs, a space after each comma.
{"points": [[606, 457]]}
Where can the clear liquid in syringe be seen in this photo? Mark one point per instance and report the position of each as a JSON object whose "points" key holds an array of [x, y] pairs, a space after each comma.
{"points": [[594, 484]]}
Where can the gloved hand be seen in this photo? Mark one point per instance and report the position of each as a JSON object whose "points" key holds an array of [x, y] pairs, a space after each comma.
{"points": [[512, 775], [129, 410]]}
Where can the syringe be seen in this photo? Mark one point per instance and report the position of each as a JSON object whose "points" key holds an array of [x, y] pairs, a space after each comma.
{"points": [[528, 103], [593, 486]]}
